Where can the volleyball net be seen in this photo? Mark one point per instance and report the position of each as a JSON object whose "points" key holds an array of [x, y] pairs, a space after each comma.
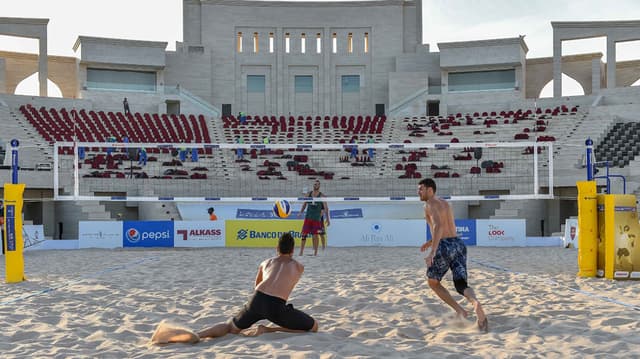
{"points": [[185, 172]]}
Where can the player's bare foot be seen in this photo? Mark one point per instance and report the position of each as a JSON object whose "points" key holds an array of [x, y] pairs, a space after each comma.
{"points": [[155, 338], [261, 329], [166, 334], [483, 326], [462, 315], [483, 322], [255, 331]]}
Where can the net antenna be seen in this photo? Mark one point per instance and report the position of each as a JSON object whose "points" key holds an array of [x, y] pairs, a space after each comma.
{"points": [[204, 172]]}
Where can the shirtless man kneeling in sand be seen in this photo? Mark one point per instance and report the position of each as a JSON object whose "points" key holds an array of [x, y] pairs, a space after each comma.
{"points": [[275, 280]]}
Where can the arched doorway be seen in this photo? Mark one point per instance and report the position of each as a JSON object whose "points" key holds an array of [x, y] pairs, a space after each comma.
{"points": [[570, 87], [29, 87]]}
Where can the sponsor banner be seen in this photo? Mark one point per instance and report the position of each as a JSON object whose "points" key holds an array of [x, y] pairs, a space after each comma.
{"points": [[571, 233], [32, 234], [94, 234], [501, 232], [625, 256], [385, 233], [466, 230], [602, 235], [260, 233], [147, 234], [10, 226], [199, 234]]}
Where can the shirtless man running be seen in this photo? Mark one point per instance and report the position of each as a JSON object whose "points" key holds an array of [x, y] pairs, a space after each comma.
{"points": [[447, 251], [275, 280]]}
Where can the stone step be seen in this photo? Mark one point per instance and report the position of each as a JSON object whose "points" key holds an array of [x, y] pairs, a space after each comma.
{"points": [[502, 213]]}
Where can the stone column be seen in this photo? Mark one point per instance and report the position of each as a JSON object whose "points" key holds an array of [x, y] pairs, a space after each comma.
{"points": [[43, 70], [419, 22], [557, 65], [327, 66], [278, 44], [444, 88], [192, 23], [3, 86], [611, 63], [595, 76]]}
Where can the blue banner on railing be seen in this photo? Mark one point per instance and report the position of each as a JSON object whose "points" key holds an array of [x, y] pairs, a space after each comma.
{"points": [[346, 213], [466, 229], [254, 214], [248, 213]]}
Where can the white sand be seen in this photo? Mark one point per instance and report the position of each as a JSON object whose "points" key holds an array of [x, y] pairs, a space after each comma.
{"points": [[370, 302]]}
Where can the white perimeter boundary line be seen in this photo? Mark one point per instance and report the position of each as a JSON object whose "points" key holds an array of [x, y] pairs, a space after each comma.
{"points": [[131, 264], [554, 282]]}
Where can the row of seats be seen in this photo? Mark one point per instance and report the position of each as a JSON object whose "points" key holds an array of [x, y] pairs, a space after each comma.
{"points": [[620, 145], [97, 126], [142, 174], [518, 125], [342, 121], [526, 125], [63, 125], [354, 125], [520, 112]]}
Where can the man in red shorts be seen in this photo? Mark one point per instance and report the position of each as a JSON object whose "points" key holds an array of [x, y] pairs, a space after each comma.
{"points": [[313, 223]]}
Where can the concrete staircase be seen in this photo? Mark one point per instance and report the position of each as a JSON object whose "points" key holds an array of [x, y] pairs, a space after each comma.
{"points": [[33, 150], [72, 212], [157, 210], [529, 210], [570, 150]]}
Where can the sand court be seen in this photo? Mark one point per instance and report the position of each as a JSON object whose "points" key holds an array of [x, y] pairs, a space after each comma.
{"points": [[370, 302]]}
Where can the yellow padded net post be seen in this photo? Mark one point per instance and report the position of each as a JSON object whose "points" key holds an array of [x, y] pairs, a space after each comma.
{"points": [[14, 243], [588, 225]]}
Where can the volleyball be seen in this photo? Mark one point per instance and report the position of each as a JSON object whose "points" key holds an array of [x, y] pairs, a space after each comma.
{"points": [[282, 208]]}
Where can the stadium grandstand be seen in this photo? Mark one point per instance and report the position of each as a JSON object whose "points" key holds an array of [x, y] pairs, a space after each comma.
{"points": [[313, 73]]}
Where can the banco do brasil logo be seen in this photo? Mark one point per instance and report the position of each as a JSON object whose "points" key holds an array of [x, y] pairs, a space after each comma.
{"points": [[133, 235], [242, 234]]}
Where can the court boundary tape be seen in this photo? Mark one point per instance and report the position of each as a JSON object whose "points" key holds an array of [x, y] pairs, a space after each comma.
{"points": [[554, 282], [71, 282]]}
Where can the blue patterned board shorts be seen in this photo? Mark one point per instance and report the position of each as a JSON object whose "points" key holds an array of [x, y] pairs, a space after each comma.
{"points": [[451, 253]]}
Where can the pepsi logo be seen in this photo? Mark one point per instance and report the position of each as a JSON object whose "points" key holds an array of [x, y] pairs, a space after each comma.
{"points": [[133, 235]]}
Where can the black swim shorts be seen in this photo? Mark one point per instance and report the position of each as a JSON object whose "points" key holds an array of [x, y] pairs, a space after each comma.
{"points": [[263, 306], [451, 254]]}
